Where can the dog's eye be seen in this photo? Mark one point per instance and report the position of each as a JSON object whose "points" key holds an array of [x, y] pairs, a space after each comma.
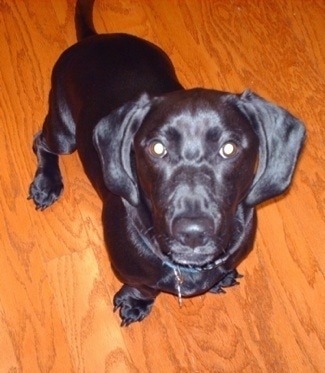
{"points": [[157, 149], [228, 150]]}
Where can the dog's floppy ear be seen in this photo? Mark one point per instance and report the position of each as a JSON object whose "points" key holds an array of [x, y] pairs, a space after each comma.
{"points": [[281, 136], [113, 139]]}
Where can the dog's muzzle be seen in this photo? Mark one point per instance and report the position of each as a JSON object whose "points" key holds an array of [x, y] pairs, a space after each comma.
{"points": [[194, 240]]}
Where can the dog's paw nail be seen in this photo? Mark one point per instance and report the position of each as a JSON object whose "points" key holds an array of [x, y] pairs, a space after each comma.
{"points": [[126, 322], [123, 323]]}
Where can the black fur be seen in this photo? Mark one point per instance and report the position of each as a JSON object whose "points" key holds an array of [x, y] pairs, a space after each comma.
{"points": [[179, 220]]}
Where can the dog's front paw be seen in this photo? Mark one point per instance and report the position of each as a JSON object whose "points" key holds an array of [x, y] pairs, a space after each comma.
{"points": [[45, 190], [132, 304], [229, 280]]}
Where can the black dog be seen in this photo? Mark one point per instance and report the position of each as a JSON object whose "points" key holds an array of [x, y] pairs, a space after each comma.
{"points": [[179, 171]]}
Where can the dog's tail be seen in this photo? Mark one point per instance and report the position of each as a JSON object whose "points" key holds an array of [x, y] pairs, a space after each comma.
{"points": [[84, 19]]}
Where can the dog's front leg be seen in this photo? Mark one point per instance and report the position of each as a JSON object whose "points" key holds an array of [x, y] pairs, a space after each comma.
{"points": [[47, 184], [134, 303]]}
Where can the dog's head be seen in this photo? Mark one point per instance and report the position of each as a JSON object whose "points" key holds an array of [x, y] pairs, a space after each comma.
{"points": [[192, 157]]}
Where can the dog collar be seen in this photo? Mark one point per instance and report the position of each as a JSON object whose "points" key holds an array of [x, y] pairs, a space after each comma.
{"points": [[177, 268], [194, 269]]}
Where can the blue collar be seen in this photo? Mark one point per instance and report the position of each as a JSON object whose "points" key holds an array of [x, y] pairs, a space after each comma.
{"points": [[194, 269]]}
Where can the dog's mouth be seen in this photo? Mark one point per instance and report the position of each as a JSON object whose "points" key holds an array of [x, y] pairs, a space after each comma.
{"points": [[200, 258], [202, 262]]}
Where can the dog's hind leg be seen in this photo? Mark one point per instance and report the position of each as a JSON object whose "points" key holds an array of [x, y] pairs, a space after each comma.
{"points": [[47, 184], [57, 137]]}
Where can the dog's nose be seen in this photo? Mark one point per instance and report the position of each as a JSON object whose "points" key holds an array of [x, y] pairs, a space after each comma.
{"points": [[193, 232]]}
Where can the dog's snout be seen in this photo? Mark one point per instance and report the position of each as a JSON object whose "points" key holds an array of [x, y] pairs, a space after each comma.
{"points": [[193, 232]]}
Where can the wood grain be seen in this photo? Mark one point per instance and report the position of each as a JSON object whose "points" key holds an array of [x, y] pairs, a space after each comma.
{"points": [[56, 285]]}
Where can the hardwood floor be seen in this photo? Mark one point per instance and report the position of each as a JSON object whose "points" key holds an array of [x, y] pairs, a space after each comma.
{"points": [[56, 285]]}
